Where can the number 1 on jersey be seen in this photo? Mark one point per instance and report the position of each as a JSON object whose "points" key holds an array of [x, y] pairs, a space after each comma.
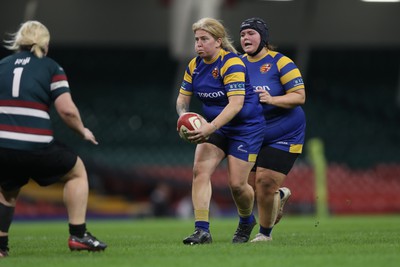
{"points": [[16, 81]]}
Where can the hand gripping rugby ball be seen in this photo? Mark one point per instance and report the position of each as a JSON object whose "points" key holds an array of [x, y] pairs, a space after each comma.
{"points": [[188, 121]]}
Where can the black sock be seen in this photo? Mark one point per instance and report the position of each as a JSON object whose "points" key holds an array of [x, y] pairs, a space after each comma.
{"points": [[4, 243], [265, 231], [77, 230], [6, 215]]}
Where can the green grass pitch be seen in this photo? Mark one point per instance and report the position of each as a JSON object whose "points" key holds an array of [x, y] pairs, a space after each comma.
{"points": [[298, 241]]}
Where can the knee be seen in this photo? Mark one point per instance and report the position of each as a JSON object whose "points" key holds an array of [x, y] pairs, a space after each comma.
{"points": [[201, 173], [78, 171], [196, 172], [266, 184], [237, 188]]}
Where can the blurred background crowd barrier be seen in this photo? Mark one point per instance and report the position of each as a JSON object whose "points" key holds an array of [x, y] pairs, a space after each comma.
{"points": [[124, 77]]}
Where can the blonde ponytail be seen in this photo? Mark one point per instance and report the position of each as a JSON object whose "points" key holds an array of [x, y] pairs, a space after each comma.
{"points": [[37, 51]]}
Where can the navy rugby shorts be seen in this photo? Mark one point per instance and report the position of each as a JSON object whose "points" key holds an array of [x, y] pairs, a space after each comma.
{"points": [[245, 146]]}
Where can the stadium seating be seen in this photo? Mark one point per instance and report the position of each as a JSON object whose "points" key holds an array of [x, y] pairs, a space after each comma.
{"points": [[126, 96]]}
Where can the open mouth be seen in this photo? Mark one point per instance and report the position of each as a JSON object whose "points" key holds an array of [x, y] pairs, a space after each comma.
{"points": [[248, 44]]}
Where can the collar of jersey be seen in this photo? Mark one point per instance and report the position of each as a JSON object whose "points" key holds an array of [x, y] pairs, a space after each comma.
{"points": [[258, 59]]}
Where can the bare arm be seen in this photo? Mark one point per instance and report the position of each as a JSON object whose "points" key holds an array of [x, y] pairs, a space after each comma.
{"points": [[69, 113], [290, 100], [182, 104], [228, 113]]}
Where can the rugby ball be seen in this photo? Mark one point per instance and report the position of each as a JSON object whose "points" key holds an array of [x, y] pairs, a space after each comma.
{"points": [[188, 121]]}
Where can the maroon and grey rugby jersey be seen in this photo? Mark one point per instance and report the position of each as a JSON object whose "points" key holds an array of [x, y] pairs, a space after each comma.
{"points": [[28, 86]]}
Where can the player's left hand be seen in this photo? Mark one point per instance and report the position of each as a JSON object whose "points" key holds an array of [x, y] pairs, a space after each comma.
{"points": [[264, 96], [202, 134], [89, 136]]}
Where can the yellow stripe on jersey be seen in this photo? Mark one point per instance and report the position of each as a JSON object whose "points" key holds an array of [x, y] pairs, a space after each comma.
{"points": [[231, 93], [184, 92], [290, 76], [282, 62], [231, 62], [234, 77], [192, 65], [297, 148], [271, 53], [187, 77]]}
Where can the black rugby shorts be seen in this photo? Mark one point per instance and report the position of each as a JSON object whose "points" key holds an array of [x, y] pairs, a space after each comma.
{"points": [[275, 159], [45, 166]]}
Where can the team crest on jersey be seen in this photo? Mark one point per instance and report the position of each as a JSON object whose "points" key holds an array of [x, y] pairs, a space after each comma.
{"points": [[266, 67], [215, 73]]}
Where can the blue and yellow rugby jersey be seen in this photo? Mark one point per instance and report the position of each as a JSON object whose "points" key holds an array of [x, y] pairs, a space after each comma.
{"points": [[279, 75], [212, 82], [28, 86]]}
